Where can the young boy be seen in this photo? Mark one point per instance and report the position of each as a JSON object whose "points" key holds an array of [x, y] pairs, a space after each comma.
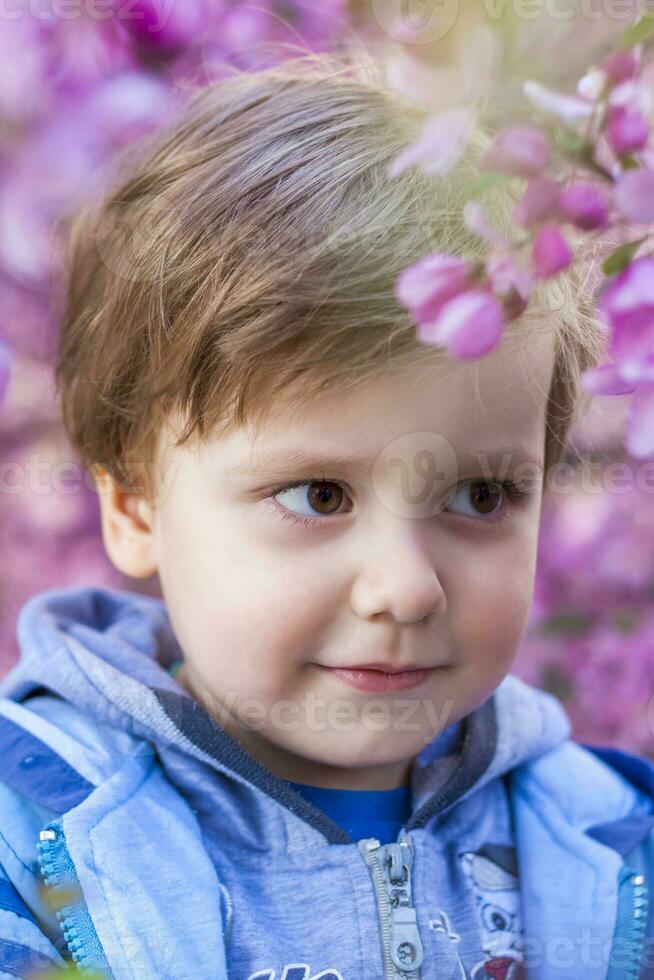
{"points": [[309, 760]]}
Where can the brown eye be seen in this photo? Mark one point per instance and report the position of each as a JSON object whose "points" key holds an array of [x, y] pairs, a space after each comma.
{"points": [[479, 498], [312, 498], [325, 497], [485, 496]]}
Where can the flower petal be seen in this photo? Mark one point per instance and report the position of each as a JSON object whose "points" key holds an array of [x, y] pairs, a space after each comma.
{"points": [[639, 440], [5, 369], [605, 380], [550, 253], [475, 220], [634, 196], [538, 203], [440, 145], [424, 286], [626, 130], [568, 108], [469, 326], [520, 151]]}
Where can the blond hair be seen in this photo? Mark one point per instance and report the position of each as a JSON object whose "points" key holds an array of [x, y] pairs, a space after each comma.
{"points": [[255, 240]]}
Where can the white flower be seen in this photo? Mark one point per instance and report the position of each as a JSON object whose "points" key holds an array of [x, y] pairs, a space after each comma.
{"points": [[591, 85], [568, 108], [633, 94]]}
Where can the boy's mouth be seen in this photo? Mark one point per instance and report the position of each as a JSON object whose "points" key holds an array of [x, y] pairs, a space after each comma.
{"points": [[379, 680], [386, 668]]}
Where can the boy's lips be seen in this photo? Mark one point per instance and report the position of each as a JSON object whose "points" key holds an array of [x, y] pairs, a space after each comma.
{"points": [[387, 668], [372, 678]]}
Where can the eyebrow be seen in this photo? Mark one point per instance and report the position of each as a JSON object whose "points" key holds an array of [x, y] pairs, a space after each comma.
{"points": [[282, 462]]}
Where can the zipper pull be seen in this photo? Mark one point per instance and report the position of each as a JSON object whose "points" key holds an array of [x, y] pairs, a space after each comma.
{"points": [[406, 949]]}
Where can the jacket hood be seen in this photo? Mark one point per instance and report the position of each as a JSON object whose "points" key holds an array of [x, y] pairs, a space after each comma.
{"points": [[106, 654]]}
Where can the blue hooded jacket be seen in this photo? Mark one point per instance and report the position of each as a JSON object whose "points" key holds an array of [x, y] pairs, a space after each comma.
{"points": [[141, 842]]}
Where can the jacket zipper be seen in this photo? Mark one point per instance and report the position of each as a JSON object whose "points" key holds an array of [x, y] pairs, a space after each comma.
{"points": [[60, 877], [631, 922], [390, 867]]}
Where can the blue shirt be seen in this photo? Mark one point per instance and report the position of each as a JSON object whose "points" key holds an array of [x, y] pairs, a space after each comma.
{"points": [[363, 812]]}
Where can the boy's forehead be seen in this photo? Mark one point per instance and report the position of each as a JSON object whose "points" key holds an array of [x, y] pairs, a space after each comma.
{"points": [[493, 405]]}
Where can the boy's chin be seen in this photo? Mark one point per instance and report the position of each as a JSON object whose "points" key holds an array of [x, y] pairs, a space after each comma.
{"points": [[360, 760]]}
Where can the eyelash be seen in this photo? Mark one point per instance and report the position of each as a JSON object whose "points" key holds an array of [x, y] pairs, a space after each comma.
{"points": [[513, 492]]}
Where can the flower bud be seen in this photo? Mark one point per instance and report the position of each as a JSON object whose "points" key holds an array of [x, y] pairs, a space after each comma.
{"points": [[550, 253], [538, 203], [621, 66], [626, 130], [585, 206]]}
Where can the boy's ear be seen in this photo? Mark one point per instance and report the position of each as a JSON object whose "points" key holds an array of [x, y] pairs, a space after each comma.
{"points": [[127, 529]]}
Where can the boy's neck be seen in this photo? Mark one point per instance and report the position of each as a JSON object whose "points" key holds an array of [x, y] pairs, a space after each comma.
{"points": [[297, 769]]}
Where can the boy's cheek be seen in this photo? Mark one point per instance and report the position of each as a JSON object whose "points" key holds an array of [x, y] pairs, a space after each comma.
{"points": [[500, 590], [494, 622]]}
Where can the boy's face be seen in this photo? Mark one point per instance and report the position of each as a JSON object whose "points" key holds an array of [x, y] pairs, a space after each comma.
{"points": [[414, 557]]}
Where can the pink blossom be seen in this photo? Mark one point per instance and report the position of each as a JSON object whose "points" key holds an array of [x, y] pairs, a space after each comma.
{"points": [[441, 143], [575, 644], [163, 25], [243, 27], [626, 130], [25, 60], [469, 325], [585, 205], [424, 286], [538, 203], [126, 105], [550, 252], [320, 23], [627, 301], [627, 306], [639, 440], [621, 66], [87, 52], [521, 151], [633, 195], [606, 380], [5, 370]]}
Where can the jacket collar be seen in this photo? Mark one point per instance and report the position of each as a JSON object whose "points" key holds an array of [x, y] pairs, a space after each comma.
{"points": [[625, 833]]}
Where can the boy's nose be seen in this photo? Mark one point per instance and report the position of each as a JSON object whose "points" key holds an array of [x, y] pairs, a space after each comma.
{"points": [[399, 579]]}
